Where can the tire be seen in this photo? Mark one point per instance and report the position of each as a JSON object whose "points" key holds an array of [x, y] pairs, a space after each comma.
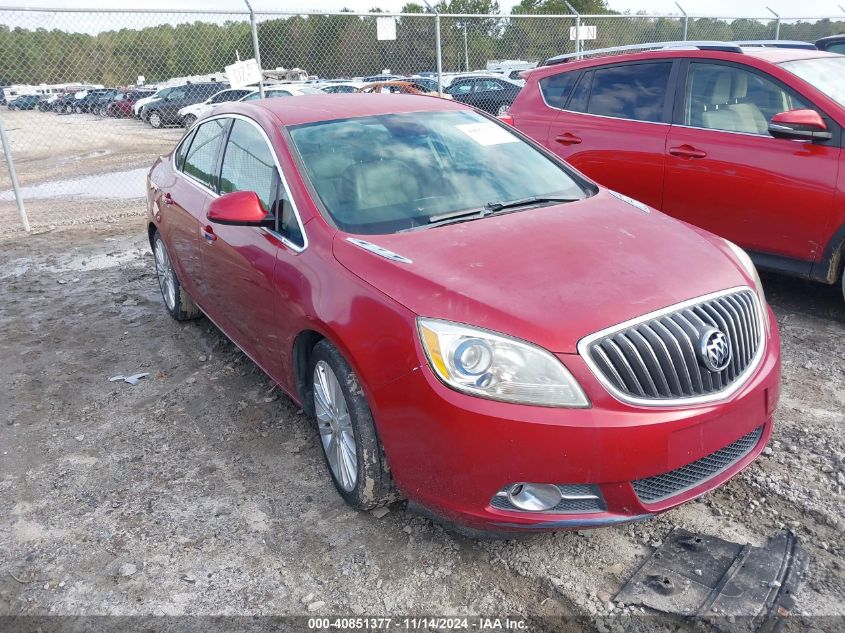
{"points": [[69, 109], [155, 119], [371, 485], [503, 109], [176, 299], [78, 110], [189, 121]]}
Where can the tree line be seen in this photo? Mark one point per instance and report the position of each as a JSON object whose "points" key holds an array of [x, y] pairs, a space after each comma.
{"points": [[346, 45]]}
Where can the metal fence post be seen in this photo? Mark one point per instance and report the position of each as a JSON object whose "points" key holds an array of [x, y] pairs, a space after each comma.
{"points": [[686, 20], [13, 176], [437, 45], [577, 15], [777, 23], [255, 50], [466, 49]]}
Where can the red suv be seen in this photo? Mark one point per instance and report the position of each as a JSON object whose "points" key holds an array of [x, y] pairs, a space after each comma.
{"points": [[742, 141], [470, 322]]}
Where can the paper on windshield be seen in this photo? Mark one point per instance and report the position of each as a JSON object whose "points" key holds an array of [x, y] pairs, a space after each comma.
{"points": [[486, 133]]}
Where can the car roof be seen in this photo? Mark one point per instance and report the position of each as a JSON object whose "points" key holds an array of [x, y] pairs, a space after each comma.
{"points": [[765, 54], [325, 107]]}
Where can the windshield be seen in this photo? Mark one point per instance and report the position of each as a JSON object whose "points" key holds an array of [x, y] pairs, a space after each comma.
{"points": [[826, 74], [393, 172]]}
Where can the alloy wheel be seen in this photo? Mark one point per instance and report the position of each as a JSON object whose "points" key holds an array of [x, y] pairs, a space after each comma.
{"points": [[336, 431], [164, 270], [155, 119]]}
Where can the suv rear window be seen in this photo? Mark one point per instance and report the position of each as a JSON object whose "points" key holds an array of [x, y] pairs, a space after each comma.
{"points": [[631, 91], [556, 88]]}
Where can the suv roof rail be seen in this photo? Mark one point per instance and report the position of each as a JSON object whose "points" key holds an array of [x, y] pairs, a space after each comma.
{"points": [[777, 44], [727, 47]]}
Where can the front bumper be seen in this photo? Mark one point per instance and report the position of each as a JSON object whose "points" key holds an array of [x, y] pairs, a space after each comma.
{"points": [[450, 453]]}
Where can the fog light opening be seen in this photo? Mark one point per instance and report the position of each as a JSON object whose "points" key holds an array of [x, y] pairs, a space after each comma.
{"points": [[534, 497]]}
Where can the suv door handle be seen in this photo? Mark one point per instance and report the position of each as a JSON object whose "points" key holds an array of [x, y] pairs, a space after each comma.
{"points": [[567, 138], [208, 233], [687, 151]]}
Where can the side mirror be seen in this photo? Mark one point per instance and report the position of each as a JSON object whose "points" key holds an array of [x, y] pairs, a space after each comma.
{"points": [[239, 208], [802, 125]]}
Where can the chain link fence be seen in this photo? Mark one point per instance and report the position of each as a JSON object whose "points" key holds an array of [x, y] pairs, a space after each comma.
{"points": [[72, 79]]}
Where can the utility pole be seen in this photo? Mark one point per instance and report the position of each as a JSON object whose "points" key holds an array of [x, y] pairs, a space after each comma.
{"points": [[13, 176], [777, 23], [437, 45], [254, 28], [686, 20], [577, 15]]}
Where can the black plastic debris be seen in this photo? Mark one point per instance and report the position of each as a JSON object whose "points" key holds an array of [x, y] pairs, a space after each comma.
{"points": [[733, 587]]}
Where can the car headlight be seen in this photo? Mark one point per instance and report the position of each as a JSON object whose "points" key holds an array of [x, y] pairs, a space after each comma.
{"points": [[498, 367], [751, 269]]}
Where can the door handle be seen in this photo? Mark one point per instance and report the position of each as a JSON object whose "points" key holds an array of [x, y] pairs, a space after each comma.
{"points": [[168, 199], [568, 139], [687, 151], [208, 233]]}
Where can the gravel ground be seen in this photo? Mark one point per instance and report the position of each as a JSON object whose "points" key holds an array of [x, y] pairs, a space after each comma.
{"points": [[202, 490]]}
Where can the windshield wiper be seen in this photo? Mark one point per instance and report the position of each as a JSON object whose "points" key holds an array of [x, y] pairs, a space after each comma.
{"points": [[444, 218], [493, 207]]}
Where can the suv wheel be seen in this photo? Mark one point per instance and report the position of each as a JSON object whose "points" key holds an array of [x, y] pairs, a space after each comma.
{"points": [[351, 446], [155, 119], [78, 109], [189, 121]]}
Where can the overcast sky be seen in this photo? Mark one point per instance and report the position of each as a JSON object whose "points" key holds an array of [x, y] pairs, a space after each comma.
{"points": [[719, 8]]}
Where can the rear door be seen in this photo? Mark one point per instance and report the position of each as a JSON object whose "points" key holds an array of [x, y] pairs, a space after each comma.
{"points": [[183, 201], [615, 125], [726, 174], [536, 109], [240, 262]]}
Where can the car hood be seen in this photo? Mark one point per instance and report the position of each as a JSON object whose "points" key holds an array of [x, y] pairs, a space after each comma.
{"points": [[549, 275]]}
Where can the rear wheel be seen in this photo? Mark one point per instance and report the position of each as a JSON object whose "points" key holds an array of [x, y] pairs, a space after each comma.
{"points": [[78, 109], [351, 446], [176, 299], [189, 121], [155, 120]]}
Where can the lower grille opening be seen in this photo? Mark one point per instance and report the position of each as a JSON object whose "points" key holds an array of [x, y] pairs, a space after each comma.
{"points": [[660, 487], [575, 499]]}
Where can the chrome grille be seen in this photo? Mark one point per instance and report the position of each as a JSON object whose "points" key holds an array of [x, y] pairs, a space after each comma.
{"points": [[674, 482], [658, 357]]}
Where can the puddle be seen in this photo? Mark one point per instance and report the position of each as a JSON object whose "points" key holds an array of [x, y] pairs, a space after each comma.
{"points": [[116, 185]]}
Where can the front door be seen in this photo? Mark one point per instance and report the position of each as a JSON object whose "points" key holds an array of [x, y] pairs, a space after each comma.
{"points": [[239, 262], [726, 174]]}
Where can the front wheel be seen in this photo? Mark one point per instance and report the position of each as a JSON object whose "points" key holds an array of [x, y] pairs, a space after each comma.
{"points": [[351, 446], [176, 299], [155, 120]]}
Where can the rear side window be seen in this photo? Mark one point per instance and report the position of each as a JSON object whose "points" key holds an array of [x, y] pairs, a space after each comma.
{"points": [[557, 88], [182, 150], [632, 91], [201, 159]]}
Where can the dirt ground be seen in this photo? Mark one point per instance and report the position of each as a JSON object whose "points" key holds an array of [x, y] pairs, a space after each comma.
{"points": [[202, 490]]}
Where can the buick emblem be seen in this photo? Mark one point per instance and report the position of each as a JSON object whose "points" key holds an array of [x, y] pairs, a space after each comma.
{"points": [[714, 350]]}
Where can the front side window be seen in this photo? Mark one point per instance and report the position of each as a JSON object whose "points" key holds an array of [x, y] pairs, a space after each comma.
{"points": [[630, 91], [461, 88], [248, 164], [826, 74], [728, 98], [394, 172], [556, 89], [201, 159]]}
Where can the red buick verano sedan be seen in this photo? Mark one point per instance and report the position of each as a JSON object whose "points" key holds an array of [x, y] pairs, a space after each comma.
{"points": [[473, 324]]}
